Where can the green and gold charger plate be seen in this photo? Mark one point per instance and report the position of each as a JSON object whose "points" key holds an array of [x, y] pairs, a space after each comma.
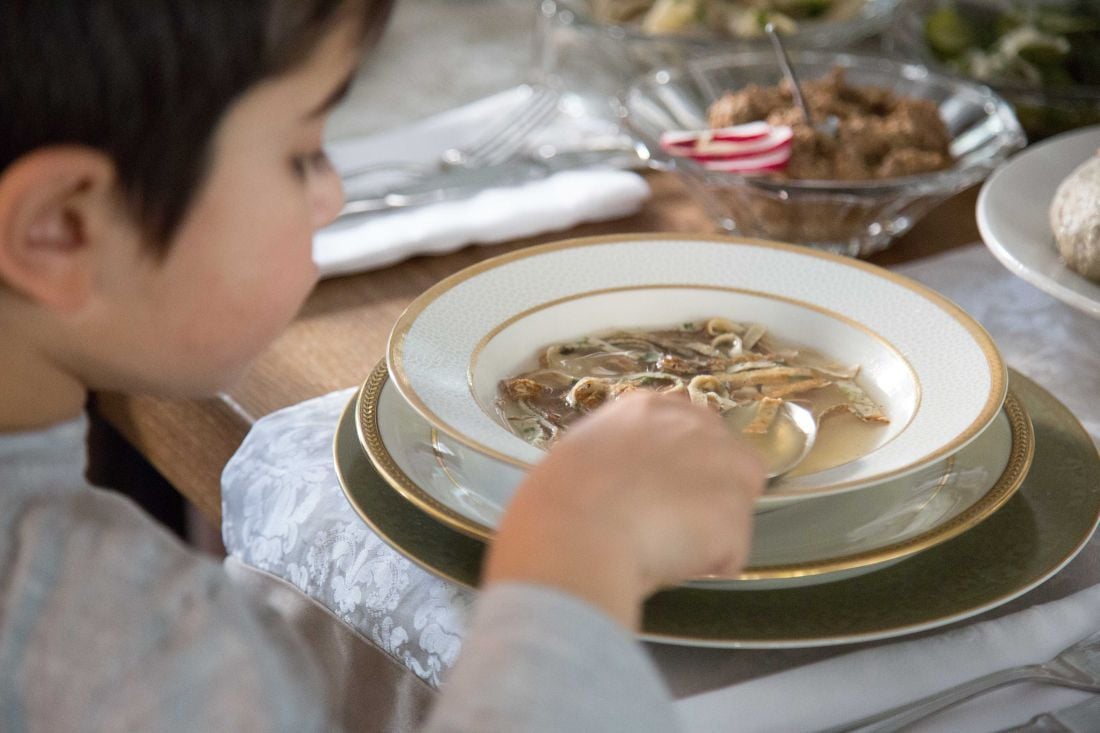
{"points": [[1028, 540]]}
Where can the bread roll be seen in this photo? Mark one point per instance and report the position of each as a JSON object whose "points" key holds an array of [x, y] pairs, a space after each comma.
{"points": [[1075, 218]]}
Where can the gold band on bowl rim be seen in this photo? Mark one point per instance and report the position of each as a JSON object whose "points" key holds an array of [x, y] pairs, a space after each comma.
{"points": [[1023, 449], [998, 372]]}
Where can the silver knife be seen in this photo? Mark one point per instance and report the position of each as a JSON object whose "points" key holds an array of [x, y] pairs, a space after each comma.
{"points": [[1081, 718], [460, 183]]}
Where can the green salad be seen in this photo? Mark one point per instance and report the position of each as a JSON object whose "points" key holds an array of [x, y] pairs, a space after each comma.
{"points": [[1042, 57], [1025, 44], [738, 18]]}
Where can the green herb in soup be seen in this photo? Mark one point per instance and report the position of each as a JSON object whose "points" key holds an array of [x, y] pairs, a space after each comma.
{"points": [[719, 363]]}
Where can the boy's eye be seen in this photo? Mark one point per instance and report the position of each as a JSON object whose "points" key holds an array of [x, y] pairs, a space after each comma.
{"points": [[314, 162]]}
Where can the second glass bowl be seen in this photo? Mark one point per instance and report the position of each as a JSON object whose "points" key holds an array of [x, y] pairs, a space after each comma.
{"points": [[848, 217]]}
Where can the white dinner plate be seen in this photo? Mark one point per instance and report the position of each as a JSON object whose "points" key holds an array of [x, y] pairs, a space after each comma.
{"points": [[813, 541], [1014, 219], [935, 371]]}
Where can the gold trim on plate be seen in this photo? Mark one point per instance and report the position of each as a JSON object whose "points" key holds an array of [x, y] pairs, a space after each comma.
{"points": [[370, 437], [1030, 539], [1023, 448]]}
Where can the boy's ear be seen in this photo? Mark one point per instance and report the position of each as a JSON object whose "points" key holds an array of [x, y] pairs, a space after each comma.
{"points": [[53, 207]]}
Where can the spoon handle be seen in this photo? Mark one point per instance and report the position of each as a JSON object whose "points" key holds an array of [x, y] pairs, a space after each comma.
{"points": [[788, 71]]}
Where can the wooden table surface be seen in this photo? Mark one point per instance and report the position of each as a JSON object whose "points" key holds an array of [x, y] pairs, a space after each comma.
{"points": [[343, 327]]}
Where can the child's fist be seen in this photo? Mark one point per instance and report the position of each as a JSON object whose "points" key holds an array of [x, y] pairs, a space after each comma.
{"points": [[646, 492]]}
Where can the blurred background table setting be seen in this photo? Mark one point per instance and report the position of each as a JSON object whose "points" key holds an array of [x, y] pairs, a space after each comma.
{"points": [[502, 127], [521, 168]]}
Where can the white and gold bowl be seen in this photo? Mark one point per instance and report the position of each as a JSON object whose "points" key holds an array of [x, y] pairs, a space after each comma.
{"points": [[935, 371]]}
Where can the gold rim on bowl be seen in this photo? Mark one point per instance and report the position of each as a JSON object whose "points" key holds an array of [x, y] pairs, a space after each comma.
{"points": [[998, 372]]}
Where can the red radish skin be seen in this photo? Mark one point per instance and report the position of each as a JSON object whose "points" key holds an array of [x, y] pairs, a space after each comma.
{"points": [[778, 137], [776, 160], [723, 151], [748, 131], [756, 147]]}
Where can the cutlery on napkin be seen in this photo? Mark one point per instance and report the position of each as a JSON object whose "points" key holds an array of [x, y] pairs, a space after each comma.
{"points": [[453, 184], [557, 201]]}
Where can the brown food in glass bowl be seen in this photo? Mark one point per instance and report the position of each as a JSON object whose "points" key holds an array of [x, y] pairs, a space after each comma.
{"points": [[879, 134]]}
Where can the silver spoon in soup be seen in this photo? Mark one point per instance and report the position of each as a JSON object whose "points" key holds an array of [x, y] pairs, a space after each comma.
{"points": [[785, 444]]}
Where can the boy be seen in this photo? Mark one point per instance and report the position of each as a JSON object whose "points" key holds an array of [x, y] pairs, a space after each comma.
{"points": [[161, 175]]}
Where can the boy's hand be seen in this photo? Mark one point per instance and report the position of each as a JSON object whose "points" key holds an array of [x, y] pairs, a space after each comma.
{"points": [[644, 493]]}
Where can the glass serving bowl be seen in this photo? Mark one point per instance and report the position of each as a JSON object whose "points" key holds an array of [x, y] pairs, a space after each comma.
{"points": [[592, 61], [1043, 109], [871, 17], [849, 217]]}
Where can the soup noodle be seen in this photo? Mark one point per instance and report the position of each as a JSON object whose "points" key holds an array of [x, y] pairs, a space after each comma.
{"points": [[728, 366]]}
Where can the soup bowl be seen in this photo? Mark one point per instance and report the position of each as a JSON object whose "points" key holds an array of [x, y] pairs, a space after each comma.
{"points": [[932, 369]]}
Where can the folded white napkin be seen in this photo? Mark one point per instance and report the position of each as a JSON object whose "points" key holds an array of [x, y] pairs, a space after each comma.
{"points": [[848, 687], [558, 202]]}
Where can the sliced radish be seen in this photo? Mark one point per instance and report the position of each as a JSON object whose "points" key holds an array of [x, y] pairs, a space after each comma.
{"points": [[708, 148], [680, 139], [756, 147], [779, 137], [748, 131], [766, 162]]}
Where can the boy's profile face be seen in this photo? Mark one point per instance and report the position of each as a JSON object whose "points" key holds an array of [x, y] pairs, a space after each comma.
{"points": [[239, 266]]}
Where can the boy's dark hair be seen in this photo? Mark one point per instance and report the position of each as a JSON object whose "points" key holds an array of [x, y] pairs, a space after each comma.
{"points": [[147, 81]]}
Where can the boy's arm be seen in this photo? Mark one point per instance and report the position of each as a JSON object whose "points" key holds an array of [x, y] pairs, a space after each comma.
{"points": [[109, 623], [537, 660], [642, 494]]}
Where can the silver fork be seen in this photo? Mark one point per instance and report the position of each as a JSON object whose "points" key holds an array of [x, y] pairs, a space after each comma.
{"points": [[1076, 666], [493, 145]]}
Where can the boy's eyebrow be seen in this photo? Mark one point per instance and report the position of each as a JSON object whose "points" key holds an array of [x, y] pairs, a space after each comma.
{"points": [[334, 97]]}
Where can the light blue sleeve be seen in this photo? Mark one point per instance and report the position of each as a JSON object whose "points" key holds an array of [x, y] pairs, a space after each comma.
{"points": [[108, 623], [538, 660]]}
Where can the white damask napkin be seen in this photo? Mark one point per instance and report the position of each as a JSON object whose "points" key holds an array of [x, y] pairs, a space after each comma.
{"points": [[283, 512], [558, 202]]}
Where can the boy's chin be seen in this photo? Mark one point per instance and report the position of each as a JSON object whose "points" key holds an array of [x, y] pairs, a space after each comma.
{"points": [[217, 384], [199, 386]]}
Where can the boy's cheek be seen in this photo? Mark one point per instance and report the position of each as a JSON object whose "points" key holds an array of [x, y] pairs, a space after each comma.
{"points": [[212, 311], [224, 343]]}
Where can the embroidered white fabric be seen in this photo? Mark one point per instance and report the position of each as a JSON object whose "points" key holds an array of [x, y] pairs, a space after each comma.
{"points": [[283, 512]]}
